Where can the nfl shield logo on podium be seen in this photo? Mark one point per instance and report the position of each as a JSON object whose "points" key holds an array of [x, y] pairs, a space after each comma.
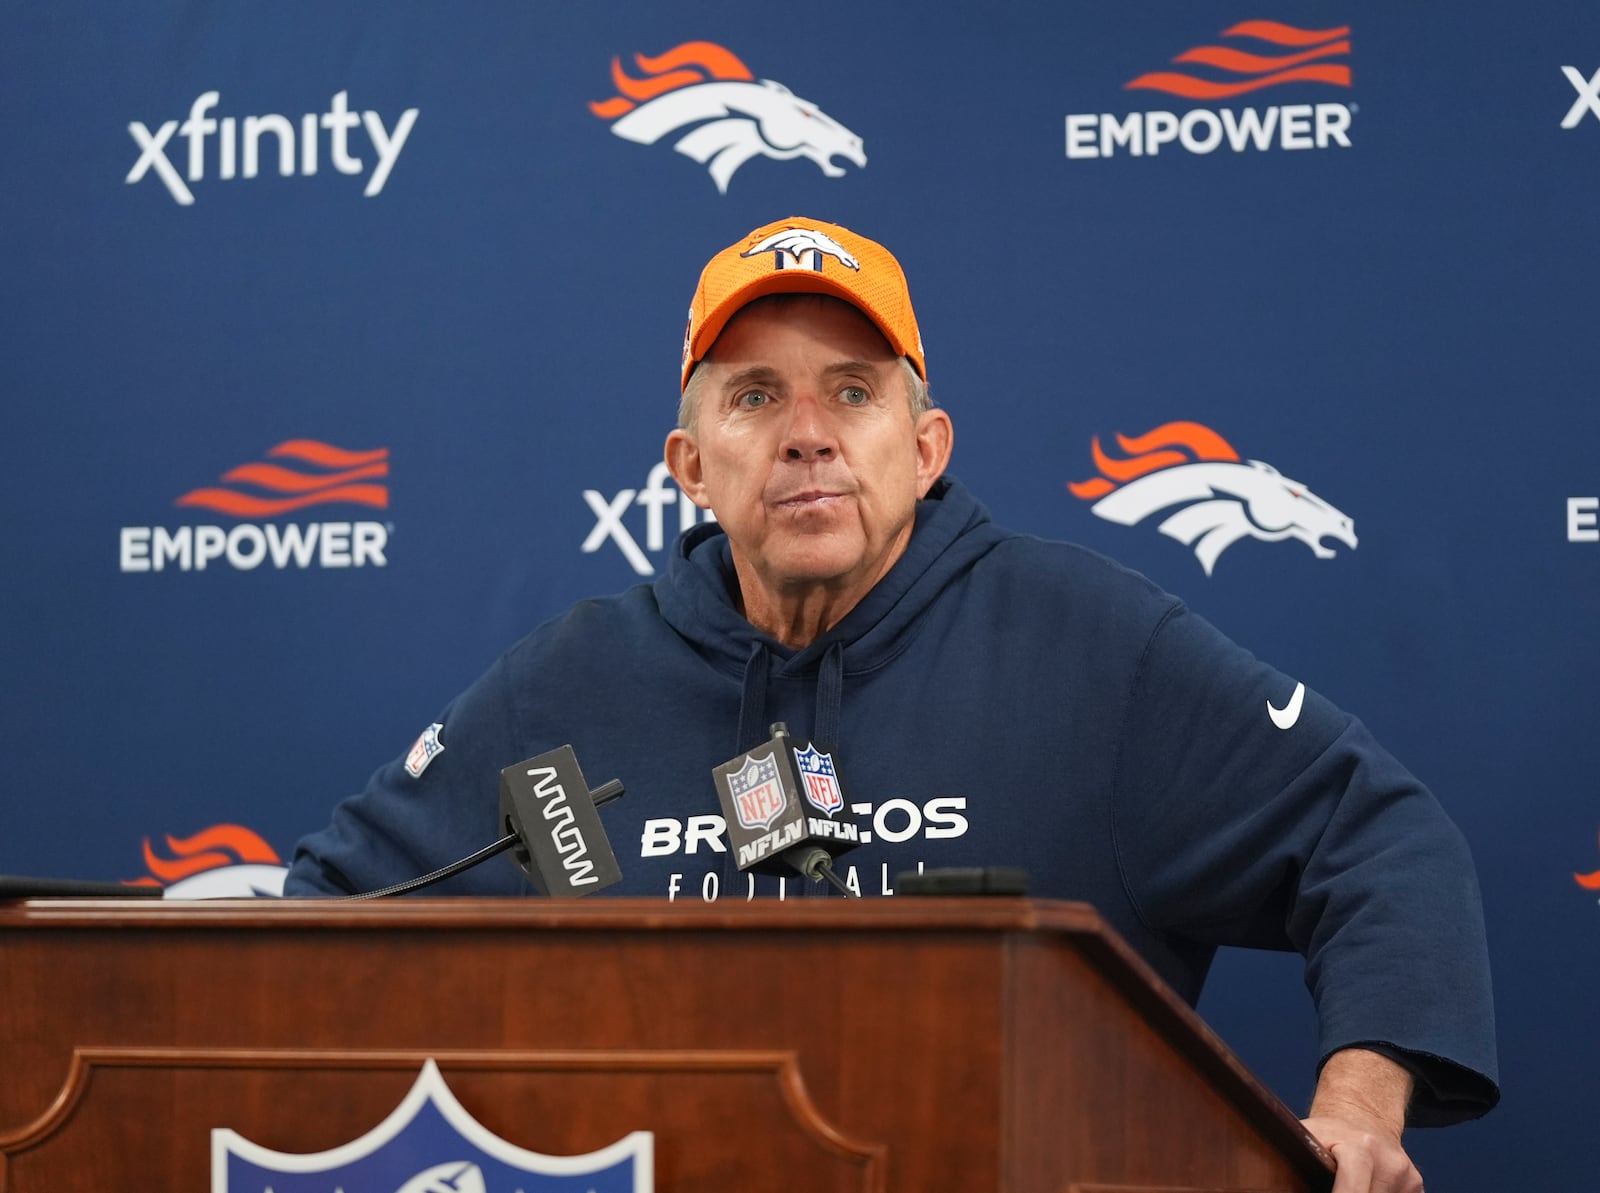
{"points": [[429, 1144]]}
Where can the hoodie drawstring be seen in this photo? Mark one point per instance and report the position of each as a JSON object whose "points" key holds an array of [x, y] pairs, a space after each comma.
{"points": [[753, 699], [753, 727], [830, 696]]}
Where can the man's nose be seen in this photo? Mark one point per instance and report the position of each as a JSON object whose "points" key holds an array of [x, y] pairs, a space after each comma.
{"points": [[810, 433]]}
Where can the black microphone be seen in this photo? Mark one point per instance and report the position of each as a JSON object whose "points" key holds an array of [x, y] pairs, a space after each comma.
{"points": [[548, 815], [547, 806], [785, 809]]}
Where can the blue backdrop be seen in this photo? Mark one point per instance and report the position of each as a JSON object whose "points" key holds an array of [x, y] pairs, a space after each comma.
{"points": [[341, 340]]}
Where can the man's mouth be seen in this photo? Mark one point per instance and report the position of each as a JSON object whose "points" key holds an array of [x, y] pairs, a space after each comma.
{"points": [[809, 499]]}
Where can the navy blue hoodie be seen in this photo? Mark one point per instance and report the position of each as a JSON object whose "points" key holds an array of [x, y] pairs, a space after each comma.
{"points": [[995, 700]]}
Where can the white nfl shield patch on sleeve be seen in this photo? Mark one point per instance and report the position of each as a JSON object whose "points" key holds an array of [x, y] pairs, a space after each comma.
{"points": [[428, 748]]}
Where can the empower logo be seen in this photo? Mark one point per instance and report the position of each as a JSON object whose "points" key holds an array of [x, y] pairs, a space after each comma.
{"points": [[242, 141], [1263, 54], [1219, 499], [1583, 519], [316, 474], [727, 116]]}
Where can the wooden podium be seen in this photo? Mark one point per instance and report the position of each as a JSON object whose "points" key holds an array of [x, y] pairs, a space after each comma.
{"points": [[890, 1045]]}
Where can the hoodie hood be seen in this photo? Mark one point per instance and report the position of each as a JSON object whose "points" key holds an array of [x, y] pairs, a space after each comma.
{"points": [[698, 598]]}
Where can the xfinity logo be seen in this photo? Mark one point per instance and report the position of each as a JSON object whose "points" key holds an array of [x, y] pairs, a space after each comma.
{"points": [[239, 144], [658, 493], [1588, 96]]}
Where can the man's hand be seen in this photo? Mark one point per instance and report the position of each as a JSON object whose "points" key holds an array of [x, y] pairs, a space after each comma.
{"points": [[1358, 1114]]}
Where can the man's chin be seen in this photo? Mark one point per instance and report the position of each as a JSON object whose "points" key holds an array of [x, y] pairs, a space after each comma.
{"points": [[819, 560]]}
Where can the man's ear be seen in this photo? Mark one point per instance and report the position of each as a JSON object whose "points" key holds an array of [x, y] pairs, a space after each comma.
{"points": [[935, 441], [683, 461]]}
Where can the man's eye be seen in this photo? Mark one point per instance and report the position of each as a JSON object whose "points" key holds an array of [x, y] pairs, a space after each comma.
{"points": [[853, 395], [751, 399]]}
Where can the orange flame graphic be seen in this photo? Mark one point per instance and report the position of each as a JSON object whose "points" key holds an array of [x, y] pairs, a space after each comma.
{"points": [[326, 454], [220, 845], [1284, 35], [1150, 452], [1243, 64], [692, 62], [1269, 70], [271, 476], [1589, 882], [302, 488]]}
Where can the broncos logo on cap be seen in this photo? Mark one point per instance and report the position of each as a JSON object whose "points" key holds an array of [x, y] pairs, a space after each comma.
{"points": [[1223, 499], [731, 116], [791, 243]]}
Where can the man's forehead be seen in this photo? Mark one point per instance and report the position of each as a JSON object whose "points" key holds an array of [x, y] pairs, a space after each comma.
{"points": [[733, 374], [842, 332]]}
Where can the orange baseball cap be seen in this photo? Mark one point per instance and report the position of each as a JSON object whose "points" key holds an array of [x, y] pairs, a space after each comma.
{"points": [[801, 256]]}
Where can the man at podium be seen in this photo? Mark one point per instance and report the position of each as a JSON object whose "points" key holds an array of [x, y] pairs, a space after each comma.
{"points": [[992, 699]]}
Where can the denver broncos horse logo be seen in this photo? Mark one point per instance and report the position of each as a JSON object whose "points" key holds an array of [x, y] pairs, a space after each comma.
{"points": [[1223, 499], [223, 861], [793, 244], [735, 117]]}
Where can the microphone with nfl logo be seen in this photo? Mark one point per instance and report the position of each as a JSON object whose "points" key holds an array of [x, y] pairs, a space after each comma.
{"points": [[786, 810]]}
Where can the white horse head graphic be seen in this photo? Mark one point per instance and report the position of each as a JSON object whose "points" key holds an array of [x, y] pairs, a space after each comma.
{"points": [[792, 242], [1221, 500], [727, 119]]}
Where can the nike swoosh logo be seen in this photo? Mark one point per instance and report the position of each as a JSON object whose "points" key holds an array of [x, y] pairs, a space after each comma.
{"points": [[1285, 717]]}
